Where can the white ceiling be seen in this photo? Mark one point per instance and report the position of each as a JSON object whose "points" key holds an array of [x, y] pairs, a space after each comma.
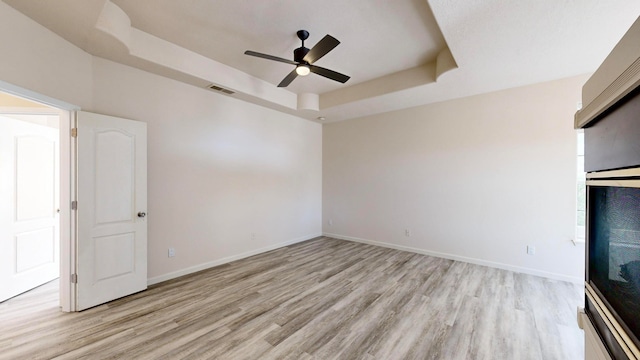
{"points": [[223, 30], [398, 53]]}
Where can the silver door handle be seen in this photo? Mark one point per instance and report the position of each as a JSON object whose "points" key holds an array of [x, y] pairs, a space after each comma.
{"points": [[142, 214]]}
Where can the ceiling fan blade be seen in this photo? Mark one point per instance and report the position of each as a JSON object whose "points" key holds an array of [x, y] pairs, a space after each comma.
{"points": [[269, 57], [321, 49], [288, 79], [329, 74]]}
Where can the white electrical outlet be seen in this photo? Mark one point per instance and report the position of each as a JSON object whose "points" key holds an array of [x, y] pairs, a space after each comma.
{"points": [[531, 250], [253, 236], [172, 252], [407, 232], [330, 222]]}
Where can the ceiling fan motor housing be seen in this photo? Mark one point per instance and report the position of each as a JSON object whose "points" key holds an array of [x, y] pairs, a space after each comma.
{"points": [[299, 53]]}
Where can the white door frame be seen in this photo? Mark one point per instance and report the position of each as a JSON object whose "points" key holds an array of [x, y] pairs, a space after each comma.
{"points": [[67, 183]]}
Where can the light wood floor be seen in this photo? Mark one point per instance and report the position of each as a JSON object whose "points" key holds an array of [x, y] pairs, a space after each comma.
{"points": [[320, 299]]}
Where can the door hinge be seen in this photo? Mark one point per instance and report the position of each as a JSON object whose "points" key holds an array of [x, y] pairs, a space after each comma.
{"points": [[74, 132], [74, 205], [74, 278]]}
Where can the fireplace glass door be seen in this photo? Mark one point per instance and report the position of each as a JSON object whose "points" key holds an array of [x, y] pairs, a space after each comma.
{"points": [[614, 248]]}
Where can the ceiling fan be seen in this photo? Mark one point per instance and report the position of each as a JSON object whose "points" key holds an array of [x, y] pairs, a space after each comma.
{"points": [[303, 59]]}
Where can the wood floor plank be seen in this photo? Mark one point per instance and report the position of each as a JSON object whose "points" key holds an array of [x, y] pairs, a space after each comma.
{"points": [[319, 299]]}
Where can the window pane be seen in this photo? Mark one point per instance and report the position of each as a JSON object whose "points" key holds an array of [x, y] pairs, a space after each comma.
{"points": [[581, 195], [580, 144], [580, 174]]}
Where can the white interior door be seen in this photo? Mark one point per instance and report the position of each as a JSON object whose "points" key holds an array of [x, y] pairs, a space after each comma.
{"points": [[112, 201], [29, 224]]}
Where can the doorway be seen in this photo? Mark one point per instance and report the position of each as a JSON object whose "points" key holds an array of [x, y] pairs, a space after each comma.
{"points": [[30, 187], [103, 238], [26, 109]]}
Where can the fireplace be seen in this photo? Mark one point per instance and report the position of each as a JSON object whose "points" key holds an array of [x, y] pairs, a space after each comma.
{"points": [[611, 123]]}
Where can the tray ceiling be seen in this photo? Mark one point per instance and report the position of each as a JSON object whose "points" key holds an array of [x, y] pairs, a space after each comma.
{"points": [[398, 53]]}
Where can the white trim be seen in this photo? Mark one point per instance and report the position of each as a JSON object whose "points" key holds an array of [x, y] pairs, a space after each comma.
{"points": [[67, 248], [73, 215], [30, 110], [228, 259], [497, 265], [34, 96]]}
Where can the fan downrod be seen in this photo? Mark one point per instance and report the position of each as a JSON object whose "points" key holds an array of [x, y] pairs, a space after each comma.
{"points": [[300, 52]]}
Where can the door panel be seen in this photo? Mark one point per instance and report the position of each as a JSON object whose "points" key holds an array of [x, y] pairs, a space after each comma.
{"points": [[115, 170], [35, 249], [35, 182], [29, 224], [112, 181], [116, 256]]}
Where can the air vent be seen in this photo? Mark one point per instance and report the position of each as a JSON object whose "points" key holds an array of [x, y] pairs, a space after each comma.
{"points": [[220, 89]]}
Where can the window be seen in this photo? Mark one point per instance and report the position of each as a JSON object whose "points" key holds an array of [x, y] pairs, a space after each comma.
{"points": [[581, 194]]}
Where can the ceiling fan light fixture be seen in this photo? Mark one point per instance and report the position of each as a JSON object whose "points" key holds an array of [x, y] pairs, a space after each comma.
{"points": [[303, 70]]}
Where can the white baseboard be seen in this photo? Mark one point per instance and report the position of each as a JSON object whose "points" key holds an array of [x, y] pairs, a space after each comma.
{"points": [[519, 269], [228, 259]]}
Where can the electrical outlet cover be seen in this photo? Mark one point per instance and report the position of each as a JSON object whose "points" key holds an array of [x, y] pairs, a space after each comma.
{"points": [[531, 250]]}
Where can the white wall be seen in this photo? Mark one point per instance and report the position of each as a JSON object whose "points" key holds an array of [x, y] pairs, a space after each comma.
{"points": [[219, 169], [225, 177], [35, 58], [476, 179]]}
